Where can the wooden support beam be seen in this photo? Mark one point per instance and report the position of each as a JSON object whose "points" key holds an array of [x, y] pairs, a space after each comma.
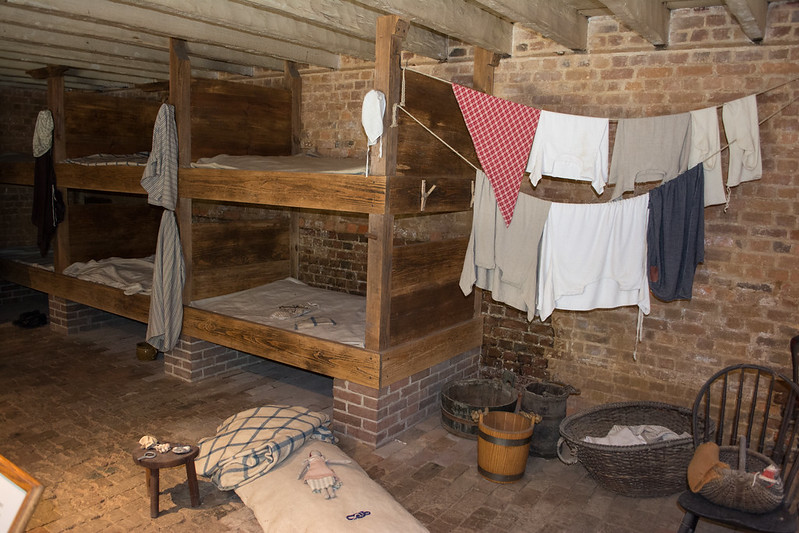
{"points": [[180, 97], [485, 62], [55, 102], [558, 21], [645, 17], [751, 15], [461, 19], [293, 82], [124, 16], [391, 30]]}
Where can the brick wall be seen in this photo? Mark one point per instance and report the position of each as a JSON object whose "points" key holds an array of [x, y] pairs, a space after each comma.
{"points": [[18, 117], [18, 114], [333, 251]]}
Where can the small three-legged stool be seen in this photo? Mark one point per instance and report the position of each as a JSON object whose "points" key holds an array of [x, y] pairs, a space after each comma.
{"points": [[167, 460]]}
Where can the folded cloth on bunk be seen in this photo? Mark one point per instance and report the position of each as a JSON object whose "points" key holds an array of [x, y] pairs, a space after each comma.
{"points": [[252, 442], [633, 435], [133, 276], [138, 159]]}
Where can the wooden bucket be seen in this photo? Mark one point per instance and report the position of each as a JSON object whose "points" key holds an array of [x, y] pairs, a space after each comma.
{"points": [[503, 444], [463, 400]]}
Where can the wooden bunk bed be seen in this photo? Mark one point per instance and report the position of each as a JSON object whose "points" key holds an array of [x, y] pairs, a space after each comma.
{"points": [[107, 214], [416, 315]]}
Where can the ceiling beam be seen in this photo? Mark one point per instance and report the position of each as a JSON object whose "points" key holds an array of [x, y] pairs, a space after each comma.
{"points": [[247, 19], [42, 71], [751, 15], [89, 60], [60, 24], [71, 83], [356, 20], [122, 51], [557, 21], [460, 19], [119, 15], [648, 18]]}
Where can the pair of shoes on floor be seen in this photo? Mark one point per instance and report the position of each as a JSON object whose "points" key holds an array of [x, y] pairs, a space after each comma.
{"points": [[31, 319]]}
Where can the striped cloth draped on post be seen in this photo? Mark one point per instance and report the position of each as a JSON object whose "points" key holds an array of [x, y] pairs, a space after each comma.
{"points": [[160, 180]]}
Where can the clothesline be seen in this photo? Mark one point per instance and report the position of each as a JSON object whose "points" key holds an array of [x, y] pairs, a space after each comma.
{"points": [[401, 106], [615, 119]]}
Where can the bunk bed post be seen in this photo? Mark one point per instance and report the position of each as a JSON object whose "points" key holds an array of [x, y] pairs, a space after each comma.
{"points": [[391, 30], [485, 62], [55, 102], [293, 82], [180, 97]]}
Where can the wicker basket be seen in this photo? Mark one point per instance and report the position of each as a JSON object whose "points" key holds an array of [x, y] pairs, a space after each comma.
{"points": [[640, 471], [735, 487]]}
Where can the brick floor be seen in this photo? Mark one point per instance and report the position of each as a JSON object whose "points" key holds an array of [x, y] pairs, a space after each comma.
{"points": [[72, 407]]}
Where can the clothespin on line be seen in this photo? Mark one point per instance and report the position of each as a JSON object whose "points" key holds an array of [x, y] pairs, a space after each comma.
{"points": [[425, 194]]}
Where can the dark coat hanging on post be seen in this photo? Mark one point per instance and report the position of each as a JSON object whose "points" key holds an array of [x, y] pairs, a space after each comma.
{"points": [[48, 205]]}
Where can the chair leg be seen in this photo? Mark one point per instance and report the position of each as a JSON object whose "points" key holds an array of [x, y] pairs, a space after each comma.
{"points": [[688, 524]]}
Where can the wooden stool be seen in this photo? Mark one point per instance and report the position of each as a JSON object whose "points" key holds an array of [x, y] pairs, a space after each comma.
{"points": [[167, 460]]}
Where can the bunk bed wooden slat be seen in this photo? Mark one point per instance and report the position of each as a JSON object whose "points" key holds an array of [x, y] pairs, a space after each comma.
{"points": [[354, 193], [125, 179], [317, 355]]}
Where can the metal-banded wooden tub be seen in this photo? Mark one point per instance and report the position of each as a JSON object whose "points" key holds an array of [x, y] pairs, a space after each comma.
{"points": [[503, 444], [462, 402]]}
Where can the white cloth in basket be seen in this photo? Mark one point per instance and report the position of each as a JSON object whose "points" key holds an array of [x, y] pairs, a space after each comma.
{"points": [[633, 435]]}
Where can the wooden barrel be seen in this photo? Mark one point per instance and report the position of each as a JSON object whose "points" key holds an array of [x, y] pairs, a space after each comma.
{"points": [[463, 400], [503, 444]]}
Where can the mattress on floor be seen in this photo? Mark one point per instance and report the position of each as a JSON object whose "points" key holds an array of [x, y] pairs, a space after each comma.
{"points": [[282, 502]]}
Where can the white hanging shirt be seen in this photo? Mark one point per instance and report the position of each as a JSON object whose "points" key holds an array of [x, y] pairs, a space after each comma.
{"points": [[705, 149], [743, 135], [572, 147], [593, 256]]}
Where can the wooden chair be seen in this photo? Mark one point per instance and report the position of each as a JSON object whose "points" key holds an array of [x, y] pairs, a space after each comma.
{"points": [[760, 404]]}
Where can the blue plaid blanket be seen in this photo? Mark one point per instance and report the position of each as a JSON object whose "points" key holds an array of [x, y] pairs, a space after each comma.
{"points": [[252, 442]]}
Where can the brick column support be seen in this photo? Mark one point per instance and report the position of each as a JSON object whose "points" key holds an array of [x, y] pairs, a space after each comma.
{"points": [[194, 359], [376, 416], [68, 317]]}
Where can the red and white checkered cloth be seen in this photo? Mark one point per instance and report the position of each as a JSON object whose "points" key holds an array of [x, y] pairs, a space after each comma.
{"points": [[502, 132]]}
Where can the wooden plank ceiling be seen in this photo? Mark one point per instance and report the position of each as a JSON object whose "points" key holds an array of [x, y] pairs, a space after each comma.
{"points": [[111, 44]]}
